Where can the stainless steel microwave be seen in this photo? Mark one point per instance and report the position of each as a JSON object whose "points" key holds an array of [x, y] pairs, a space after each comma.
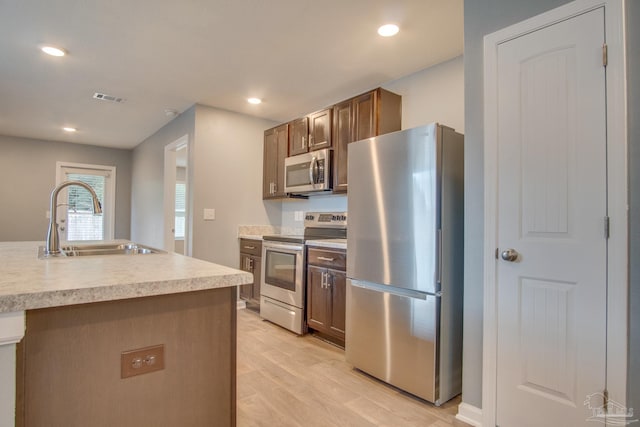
{"points": [[308, 173]]}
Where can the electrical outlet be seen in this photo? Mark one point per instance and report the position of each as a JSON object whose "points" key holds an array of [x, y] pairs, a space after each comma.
{"points": [[209, 214], [141, 361], [298, 215]]}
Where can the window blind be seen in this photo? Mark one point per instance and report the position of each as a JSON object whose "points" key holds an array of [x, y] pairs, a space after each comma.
{"points": [[180, 210], [82, 224]]}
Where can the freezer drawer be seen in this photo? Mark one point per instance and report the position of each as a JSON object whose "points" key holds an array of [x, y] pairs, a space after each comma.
{"points": [[393, 336]]}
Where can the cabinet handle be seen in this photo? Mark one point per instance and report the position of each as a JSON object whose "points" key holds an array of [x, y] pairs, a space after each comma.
{"points": [[310, 140], [249, 247], [304, 142], [250, 264], [322, 258]]}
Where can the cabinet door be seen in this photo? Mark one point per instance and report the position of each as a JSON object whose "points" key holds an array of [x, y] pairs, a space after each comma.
{"points": [[298, 136], [338, 286], [282, 140], [365, 116], [342, 136], [269, 164], [257, 276], [320, 130], [246, 291], [317, 299], [276, 143]]}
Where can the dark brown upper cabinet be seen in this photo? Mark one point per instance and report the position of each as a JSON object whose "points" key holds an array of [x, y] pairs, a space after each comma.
{"points": [[309, 133], [320, 130], [371, 114], [298, 136], [275, 151]]}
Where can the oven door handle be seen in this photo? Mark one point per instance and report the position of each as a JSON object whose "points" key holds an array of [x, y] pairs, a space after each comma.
{"points": [[283, 247]]}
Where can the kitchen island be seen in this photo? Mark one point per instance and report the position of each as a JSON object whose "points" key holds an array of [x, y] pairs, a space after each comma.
{"points": [[81, 315]]}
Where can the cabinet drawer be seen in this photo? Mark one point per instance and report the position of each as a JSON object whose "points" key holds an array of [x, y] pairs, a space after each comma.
{"points": [[250, 246], [330, 258]]}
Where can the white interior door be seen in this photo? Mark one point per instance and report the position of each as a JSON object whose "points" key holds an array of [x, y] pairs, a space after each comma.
{"points": [[552, 204]]}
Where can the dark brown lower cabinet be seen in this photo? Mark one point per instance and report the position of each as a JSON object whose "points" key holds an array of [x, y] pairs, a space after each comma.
{"points": [[326, 293], [251, 261]]}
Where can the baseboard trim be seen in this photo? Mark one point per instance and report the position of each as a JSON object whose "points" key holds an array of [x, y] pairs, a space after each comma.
{"points": [[469, 414], [240, 304]]}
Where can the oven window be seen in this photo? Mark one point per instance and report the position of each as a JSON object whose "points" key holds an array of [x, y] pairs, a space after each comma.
{"points": [[280, 270]]}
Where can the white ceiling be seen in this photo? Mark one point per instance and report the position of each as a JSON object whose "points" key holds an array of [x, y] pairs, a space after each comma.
{"points": [[298, 55]]}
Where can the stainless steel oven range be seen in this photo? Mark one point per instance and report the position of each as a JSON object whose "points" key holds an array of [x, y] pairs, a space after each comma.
{"points": [[282, 291]]}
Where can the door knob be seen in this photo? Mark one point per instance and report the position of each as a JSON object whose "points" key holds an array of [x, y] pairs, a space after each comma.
{"points": [[510, 255]]}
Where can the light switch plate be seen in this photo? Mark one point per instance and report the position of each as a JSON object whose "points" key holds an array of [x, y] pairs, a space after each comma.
{"points": [[209, 214]]}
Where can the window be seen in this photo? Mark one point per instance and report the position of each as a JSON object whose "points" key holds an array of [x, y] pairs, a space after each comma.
{"points": [[181, 188], [75, 213]]}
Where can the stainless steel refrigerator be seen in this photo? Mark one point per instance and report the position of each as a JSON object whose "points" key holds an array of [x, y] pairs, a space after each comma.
{"points": [[405, 260]]}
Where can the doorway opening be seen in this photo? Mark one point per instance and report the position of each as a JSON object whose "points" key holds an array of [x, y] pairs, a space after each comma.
{"points": [[176, 197]]}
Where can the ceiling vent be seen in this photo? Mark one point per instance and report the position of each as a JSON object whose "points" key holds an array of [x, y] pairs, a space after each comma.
{"points": [[110, 98]]}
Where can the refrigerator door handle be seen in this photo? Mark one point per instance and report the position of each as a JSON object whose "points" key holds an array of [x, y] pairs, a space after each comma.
{"points": [[401, 292], [439, 265]]}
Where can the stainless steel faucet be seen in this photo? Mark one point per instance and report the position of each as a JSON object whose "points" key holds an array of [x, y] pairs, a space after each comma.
{"points": [[53, 240]]}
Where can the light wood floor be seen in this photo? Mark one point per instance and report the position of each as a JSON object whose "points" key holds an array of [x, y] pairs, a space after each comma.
{"points": [[286, 380]]}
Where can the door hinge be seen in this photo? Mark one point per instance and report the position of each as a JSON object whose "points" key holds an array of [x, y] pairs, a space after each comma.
{"points": [[606, 227], [605, 55], [497, 251]]}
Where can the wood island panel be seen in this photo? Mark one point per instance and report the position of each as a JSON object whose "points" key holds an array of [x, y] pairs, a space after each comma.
{"points": [[69, 363]]}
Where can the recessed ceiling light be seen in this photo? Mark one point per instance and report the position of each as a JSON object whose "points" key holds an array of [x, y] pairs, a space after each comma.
{"points": [[388, 30], [254, 101], [69, 129], [53, 51]]}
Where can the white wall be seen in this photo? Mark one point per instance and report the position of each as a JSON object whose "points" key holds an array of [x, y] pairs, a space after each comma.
{"points": [[227, 176], [25, 201], [633, 77], [225, 151], [147, 180], [435, 94]]}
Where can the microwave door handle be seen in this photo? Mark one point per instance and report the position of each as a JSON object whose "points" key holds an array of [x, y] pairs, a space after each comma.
{"points": [[312, 170]]}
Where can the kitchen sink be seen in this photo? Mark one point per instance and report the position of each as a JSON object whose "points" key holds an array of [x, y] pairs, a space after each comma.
{"points": [[95, 249]]}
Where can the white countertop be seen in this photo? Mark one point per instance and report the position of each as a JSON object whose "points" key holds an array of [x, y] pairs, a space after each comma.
{"points": [[27, 282], [328, 243]]}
